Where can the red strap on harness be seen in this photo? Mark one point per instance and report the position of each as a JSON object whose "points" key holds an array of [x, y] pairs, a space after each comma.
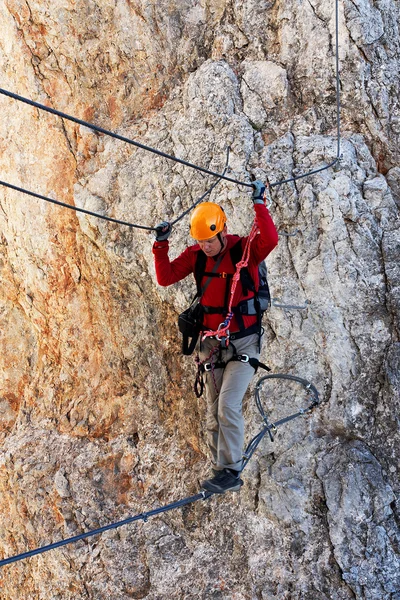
{"points": [[223, 330]]}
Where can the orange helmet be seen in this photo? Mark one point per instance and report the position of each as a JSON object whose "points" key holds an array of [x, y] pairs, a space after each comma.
{"points": [[207, 220]]}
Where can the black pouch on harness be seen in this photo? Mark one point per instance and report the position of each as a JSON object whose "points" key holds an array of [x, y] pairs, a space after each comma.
{"points": [[191, 320], [189, 323]]}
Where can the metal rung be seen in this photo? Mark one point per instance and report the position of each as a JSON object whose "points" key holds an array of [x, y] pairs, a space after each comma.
{"points": [[277, 303], [285, 233]]}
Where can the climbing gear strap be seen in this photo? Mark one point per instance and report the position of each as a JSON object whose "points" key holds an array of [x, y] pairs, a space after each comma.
{"points": [[222, 333], [238, 335], [208, 366], [244, 358], [211, 274], [190, 320], [199, 381]]}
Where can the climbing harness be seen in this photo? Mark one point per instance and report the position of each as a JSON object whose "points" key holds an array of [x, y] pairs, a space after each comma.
{"points": [[220, 176], [269, 428], [202, 366], [256, 305], [207, 365], [222, 333], [189, 321], [261, 300]]}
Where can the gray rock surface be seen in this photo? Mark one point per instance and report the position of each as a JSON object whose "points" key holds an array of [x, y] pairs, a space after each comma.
{"points": [[362, 526], [98, 420]]}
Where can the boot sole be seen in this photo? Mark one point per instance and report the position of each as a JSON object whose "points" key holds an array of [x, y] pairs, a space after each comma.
{"points": [[218, 490]]}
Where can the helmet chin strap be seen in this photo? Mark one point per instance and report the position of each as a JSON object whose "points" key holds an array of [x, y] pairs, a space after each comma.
{"points": [[221, 241]]}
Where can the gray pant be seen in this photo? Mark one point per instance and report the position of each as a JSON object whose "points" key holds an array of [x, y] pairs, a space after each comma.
{"points": [[224, 395]]}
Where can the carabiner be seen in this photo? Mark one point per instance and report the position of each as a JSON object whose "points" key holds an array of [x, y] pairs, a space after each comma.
{"points": [[244, 358], [222, 326], [224, 339]]}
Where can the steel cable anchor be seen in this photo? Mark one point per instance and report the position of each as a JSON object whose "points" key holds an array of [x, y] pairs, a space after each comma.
{"points": [[277, 303]]}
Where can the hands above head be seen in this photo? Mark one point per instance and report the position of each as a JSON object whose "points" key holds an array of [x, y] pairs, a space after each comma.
{"points": [[258, 192], [163, 231]]}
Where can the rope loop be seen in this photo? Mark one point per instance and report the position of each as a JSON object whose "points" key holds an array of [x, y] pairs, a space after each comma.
{"points": [[223, 329]]}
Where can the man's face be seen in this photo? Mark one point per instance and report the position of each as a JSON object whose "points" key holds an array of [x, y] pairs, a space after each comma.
{"points": [[212, 247]]}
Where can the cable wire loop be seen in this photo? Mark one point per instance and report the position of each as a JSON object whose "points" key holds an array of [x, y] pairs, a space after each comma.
{"points": [[122, 138], [220, 176], [269, 428]]}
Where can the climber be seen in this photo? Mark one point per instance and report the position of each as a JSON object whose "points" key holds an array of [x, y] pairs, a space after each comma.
{"points": [[227, 372]]}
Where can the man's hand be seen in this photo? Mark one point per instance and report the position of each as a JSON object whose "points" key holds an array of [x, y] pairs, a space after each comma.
{"points": [[163, 231], [258, 192]]}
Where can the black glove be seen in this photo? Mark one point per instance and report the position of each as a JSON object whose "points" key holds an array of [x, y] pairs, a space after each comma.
{"points": [[258, 192], [163, 231]]}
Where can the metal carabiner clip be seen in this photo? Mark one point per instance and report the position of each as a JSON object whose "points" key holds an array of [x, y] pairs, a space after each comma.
{"points": [[222, 337]]}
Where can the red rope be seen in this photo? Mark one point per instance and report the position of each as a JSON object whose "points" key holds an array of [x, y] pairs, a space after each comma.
{"points": [[223, 329], [199, 376]]}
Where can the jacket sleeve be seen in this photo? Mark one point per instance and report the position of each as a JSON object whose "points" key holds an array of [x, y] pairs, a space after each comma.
{"points": [[167, 271], [267, 238]]}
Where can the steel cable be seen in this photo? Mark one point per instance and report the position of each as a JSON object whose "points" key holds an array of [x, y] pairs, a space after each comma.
{"points": [[251, 448], [111, 219], [76, 538], [271, 427], [122, 138], [174, 158]]}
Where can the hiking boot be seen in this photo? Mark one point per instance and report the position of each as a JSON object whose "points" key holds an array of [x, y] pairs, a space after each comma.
{"points": [[223, 481]]}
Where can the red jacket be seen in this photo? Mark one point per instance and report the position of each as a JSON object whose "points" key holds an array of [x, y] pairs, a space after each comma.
{"points": [[169, 272]]}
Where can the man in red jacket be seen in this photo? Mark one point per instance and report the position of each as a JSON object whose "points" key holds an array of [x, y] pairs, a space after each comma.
{"points": [[227, 372]]}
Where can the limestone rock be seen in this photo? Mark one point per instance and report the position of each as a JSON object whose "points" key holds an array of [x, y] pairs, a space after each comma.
{"points": [[362, 526], [264, 88], [393, 179], [98, 420]]}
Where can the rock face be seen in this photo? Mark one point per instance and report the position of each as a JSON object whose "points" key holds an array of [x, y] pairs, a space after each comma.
{"points": [[98, 418]]}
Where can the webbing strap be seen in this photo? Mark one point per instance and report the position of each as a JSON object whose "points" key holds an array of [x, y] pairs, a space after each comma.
{"points": [[244, 358], [188, 347], [212, 274], [223, 329]]}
